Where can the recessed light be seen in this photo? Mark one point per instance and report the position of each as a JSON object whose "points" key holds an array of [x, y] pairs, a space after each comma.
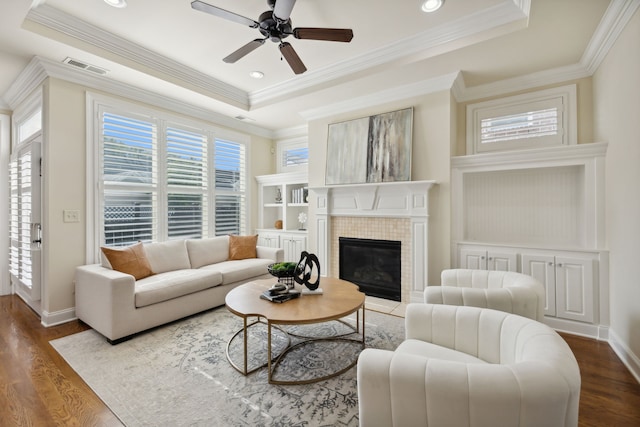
{"points": [[116, 3], [431, 5], [256, 74]]}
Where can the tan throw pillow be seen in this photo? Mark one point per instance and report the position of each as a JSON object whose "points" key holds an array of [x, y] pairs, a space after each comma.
{"points": [[242, 247], [130, 260]]}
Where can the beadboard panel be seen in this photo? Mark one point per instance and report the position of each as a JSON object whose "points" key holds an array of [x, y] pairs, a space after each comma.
{"points": [[537, 206]]}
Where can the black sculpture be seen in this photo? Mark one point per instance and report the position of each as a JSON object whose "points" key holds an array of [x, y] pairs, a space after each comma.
{"points": [[304, 271]]}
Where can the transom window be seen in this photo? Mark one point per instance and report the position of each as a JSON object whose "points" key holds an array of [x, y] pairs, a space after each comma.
{"points": [[539, 119], [293, 155], [160, 178]]}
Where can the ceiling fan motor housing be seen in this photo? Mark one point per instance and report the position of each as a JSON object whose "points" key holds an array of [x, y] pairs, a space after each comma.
{"points": [[271, 29]]}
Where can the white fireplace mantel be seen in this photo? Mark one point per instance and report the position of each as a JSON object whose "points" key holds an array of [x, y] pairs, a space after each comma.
{"points": [[406, 199]]}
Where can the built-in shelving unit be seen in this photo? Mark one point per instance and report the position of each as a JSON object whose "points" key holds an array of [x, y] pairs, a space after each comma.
{"points": [[282, 198], [539, 212]]}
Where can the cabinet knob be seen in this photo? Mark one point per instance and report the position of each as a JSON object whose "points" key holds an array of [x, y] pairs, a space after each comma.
{"points": [[550, 263], [560, 264]]}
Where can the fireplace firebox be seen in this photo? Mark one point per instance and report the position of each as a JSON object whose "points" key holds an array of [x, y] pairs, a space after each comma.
{"points": [[374, 265]]}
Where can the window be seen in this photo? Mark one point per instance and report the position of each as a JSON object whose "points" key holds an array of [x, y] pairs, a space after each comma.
{"points": [[163, 178], [539, 119], [292, 155]]}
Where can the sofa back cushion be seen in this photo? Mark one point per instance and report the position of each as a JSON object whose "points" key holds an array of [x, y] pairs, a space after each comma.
{"points": [[208, 251], [167, 256]]}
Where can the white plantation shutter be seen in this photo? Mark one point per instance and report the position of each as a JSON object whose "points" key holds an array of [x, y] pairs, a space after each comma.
{"points": [[529, 124], [14, 219], [186, 160], [531, 120], [297, 156], [129, 176], [230, 187], [166, 179]]}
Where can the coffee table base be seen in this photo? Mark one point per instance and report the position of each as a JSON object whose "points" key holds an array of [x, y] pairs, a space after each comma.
{"points": [[274, 361]]}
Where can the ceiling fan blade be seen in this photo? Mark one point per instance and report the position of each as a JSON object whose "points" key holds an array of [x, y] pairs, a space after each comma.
{"points": [[221, 13], [292, 58], [282, 9], [327, 34], [244, 50]]}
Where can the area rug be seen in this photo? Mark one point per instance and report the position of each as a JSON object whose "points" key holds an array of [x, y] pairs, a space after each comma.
{"points": [[179, 375]]}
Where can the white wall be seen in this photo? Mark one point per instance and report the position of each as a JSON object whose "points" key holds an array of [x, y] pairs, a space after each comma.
{"points": [[616, 96], [64, 152]]}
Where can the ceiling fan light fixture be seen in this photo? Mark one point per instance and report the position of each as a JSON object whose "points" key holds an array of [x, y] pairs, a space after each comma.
{"points": [[429, 6], [117, 3], [256, 74]]}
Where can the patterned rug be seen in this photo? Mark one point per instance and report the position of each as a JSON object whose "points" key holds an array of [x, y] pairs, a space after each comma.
{"points": [[179, 375]]}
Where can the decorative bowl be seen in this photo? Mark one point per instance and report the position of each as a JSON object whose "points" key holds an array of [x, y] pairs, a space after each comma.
{"points": [[284, 271]]}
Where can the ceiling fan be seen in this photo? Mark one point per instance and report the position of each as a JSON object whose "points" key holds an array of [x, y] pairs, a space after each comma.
{"points": [[275, 25]]}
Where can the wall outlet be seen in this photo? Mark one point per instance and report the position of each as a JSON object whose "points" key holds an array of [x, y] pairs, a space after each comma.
{"points": [[71, 215]]}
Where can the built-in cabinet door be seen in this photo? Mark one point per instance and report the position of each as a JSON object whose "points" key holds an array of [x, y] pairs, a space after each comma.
{"points": [[293, 246], [269, 240], [487, 260], [574, 289], [473, 259], [542, 268], [499, 261], [568, 283]]}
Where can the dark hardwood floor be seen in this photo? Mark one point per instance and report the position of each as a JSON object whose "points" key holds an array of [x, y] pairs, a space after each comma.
{"points": [[38, 388]]}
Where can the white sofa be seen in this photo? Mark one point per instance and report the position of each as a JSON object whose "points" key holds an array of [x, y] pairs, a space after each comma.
{"points": [[190, 276], [499, 290], [470, 366]]}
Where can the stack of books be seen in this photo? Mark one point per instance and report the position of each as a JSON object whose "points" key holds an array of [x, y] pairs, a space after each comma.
{"points": [[299, 195]]}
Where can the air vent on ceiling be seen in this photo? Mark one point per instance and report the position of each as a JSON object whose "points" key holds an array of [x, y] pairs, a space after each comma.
{"points": [[245, 118], [85, 66]]}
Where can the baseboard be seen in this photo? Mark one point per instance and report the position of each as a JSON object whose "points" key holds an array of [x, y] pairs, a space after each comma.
{"points": [[58, 317], [598, 332], [630, 360]]}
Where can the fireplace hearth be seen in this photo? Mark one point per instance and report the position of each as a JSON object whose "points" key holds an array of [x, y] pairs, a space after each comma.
{"points": [[374, 265]]}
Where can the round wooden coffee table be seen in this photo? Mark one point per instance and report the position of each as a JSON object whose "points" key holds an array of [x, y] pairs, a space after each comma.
{"points": [[339, 299]]}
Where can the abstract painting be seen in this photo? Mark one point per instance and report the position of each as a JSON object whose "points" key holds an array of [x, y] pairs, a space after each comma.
{"points": [[371, 149]]}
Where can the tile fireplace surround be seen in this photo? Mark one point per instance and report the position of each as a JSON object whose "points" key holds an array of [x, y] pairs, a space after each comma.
{"points": [[387, 211]]}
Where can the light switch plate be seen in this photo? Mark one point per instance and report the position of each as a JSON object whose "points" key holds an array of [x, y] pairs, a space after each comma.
{"points": [[71, 215]]}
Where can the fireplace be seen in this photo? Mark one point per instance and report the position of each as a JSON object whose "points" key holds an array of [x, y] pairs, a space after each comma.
{"points": [[374, 265]]}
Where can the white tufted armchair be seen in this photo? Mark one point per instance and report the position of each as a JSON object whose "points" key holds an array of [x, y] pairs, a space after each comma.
{"points": [[500, 290], [470, 366]]}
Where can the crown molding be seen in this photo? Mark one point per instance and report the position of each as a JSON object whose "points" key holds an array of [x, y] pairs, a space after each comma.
{"points": [[516, 84], [136, 56], [41, 68], [417, 47], [29, 79], [611, 25], [301, 131], [399, 93]]}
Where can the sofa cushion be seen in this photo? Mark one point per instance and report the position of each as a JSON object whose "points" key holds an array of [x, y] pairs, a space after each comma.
{"points": [[130, 260], [238, 270], [208, 251], [242, 247], [174, 284], [167, 256], [433, 351]]}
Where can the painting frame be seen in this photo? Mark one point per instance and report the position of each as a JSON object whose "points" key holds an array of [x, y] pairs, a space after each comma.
{"points": [[372, 149]]}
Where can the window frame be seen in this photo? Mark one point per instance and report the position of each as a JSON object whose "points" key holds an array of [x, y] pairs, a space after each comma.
{"points": [[96, 105], [290, 144], [562, 97]]}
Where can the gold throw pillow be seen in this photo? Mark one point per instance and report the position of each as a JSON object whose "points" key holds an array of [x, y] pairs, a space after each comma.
{"points": [[242, 247], [130, 260]]}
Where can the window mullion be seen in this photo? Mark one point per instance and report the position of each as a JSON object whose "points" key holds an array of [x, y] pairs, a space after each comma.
{"points": [[161, 207]]}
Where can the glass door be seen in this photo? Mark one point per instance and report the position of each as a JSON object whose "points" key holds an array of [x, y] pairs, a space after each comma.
{"points": [[25, 228]]}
